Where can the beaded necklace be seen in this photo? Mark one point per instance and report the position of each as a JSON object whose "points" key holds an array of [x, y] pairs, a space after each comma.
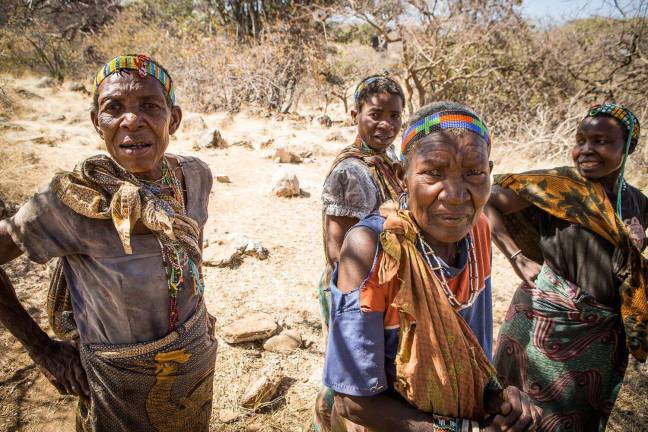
{"points": [[473, 272], [174, 257]]}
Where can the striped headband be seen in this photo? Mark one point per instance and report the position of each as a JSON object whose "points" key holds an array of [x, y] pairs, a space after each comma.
{"points": [[622, 114], [439, 121], [141, 63], [363, 84]]}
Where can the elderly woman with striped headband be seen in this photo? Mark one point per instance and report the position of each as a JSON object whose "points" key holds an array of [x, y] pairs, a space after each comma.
{"points": [[126, 296], [574, 235], [410, 335]]}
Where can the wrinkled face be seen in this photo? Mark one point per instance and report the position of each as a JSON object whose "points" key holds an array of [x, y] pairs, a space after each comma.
{"points": [[379, 119], [448, 183], [134, 120], [600, 142]]}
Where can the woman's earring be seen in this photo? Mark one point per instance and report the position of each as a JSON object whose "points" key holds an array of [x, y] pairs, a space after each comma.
{"points": [[402, 201]]}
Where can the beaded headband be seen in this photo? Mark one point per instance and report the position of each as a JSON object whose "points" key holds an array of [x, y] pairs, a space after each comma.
{"points": [[363, 84], [141, 63], [622, 114], [439, 121]]}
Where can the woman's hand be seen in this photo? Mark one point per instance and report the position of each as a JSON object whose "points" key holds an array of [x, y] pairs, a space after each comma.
{"points": [[526, 269], [61, 365], [517, 413]]}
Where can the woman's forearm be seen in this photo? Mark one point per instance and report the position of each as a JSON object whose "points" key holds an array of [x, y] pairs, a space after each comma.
{"points": [[18, 321], [387, 412], [500, 234]]}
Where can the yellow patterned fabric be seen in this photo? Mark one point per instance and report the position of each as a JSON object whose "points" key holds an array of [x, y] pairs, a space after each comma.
{"points": [[165, 385], [564, 193], [99, 188], [440, 366]]}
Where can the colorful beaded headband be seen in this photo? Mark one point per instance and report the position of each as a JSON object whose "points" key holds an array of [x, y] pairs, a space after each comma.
{"points": [[621, 113], [141, 63], [363, 85], [439, 121]]}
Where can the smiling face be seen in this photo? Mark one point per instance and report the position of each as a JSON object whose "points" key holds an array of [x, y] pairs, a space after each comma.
{"points": [[448, 183], [598, 153], [135, 121], [379, 119]]}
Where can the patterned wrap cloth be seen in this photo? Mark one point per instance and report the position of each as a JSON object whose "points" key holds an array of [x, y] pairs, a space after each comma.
{"points": [[561, 346], [164, 386], [457, 372], [565, 194]]}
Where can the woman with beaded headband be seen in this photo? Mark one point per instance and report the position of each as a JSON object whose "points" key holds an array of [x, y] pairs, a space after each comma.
{"points": [[362, 177], [574, 235], [410, 335], [125, 230]]}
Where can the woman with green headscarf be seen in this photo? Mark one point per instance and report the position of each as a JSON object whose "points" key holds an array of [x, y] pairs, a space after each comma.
{"points": [[574, 235]]}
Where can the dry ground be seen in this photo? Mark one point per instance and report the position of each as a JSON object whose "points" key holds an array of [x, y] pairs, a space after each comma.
{"points": [[46, 129]]}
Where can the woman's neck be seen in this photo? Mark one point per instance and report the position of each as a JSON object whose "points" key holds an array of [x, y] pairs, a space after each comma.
{"points": [[446, 251], [610, 182]]}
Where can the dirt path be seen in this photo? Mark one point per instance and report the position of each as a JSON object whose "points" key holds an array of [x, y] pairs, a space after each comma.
{"points": [[283, 285]]}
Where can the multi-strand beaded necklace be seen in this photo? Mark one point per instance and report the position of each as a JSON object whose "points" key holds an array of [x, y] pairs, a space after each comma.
{"points": [[174, 257], [439, 270]]}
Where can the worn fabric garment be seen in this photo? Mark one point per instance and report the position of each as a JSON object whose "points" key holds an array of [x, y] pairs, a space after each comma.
{"points": [[565, 350], [366, 323], [99, 188], [563, 193], [431, 329], [117, 298], [164, 385], [359, 181]]}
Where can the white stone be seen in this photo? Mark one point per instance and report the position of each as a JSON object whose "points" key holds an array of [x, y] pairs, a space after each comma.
{"points": [[256, 326], [263, 388], [285, 183]]}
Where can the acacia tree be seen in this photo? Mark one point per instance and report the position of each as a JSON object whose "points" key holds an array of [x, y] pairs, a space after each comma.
{"points": [[43, 33]]}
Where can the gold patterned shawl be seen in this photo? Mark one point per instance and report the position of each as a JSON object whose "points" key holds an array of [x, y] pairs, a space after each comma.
{"points": [[564, 193], [440, 366], [99, 188]]}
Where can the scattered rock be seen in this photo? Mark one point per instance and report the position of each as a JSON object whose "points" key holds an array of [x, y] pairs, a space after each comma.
{"points": [[228, 416], [335, 136], [77, 87], [251, 328], [194, 122], [266, 144], [243, 143], [306, 154], [45, 82], [222, 179], [283, 155], [323, 120], [230, 253], [285, 183], [284, 343], [213, 139], [262, 389], [27, 94]]}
